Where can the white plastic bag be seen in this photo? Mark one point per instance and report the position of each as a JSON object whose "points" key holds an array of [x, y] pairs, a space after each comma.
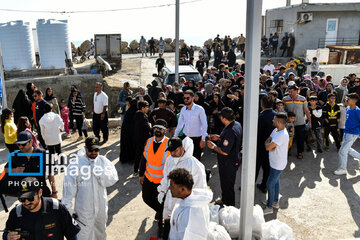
{"points": [[276, 230], [217, 232], [258, 221], [229, 217], [214, 213]]}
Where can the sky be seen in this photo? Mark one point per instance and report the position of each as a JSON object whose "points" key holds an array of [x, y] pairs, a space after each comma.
{"points": [[199, 20]]}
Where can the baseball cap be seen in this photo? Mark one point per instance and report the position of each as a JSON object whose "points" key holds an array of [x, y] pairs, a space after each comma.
{"points": [[29, 187], [92, 142], [173, 144], [160, 123], [23, 137]]}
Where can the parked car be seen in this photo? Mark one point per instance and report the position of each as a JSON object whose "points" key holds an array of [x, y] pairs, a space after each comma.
{"points": [[167, 74]]}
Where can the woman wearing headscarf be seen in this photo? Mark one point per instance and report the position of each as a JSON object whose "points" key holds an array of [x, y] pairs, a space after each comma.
{"points": [[30, 91], [342, 90], [215, 124], [200, 100], [49, 97], [22, 106], [190, 86], [127, 147], [142, 95]]}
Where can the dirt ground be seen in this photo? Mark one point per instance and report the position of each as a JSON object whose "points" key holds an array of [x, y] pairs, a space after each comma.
{"points": [[315, 203]]}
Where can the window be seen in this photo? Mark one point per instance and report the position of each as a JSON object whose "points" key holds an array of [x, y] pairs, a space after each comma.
{"points": [[278, 25]]}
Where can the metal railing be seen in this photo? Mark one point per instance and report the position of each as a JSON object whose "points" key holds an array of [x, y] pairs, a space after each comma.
{"points": [[323, 42]]}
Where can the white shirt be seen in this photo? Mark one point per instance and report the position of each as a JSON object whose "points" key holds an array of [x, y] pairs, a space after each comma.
{"points": [[100, 101], [50, 125], [194, 120], [190, 217], [278, 157], [270, 67]]}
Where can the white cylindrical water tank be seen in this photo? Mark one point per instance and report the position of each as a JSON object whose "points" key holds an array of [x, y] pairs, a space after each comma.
{"points": [[17, 45], [53, 38]]}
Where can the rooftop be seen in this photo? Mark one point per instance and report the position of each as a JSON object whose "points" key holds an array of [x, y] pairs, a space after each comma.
{"points": [[322, 7]]}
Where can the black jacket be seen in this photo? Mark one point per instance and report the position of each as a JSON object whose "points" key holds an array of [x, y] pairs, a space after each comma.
{"points": [[141, 129], [52, 221]]}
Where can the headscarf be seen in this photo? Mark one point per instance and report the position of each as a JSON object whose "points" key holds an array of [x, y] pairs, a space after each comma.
{"points": [[48, 97]]}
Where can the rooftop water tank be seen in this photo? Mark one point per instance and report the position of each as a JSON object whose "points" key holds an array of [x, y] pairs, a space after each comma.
{"points": [[17, 45], [53, 38]]}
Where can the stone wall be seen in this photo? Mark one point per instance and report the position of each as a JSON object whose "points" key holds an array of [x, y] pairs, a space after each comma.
{"points": [[61, 86]]}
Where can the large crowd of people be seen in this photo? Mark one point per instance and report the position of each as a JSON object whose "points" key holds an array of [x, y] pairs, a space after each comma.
{"points": [[298, 104], [164, 131]]}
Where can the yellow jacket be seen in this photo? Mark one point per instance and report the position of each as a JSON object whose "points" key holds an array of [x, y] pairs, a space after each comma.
{"points": [[10, 132]]}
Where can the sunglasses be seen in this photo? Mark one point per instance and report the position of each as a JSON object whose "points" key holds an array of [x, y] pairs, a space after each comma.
{"points": [[23, 145], [187, 98], [357, 81], [35, 96], [29, 199]]}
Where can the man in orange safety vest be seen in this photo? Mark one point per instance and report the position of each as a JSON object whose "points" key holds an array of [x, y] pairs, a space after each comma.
{"points": [[151, 168]]}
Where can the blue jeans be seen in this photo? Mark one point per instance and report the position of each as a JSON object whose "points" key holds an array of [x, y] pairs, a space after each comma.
{"points": [[273, 186], [346, 149]]}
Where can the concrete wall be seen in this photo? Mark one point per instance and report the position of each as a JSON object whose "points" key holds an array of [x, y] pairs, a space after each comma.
{"points": [[307, 35], [61, 86]]}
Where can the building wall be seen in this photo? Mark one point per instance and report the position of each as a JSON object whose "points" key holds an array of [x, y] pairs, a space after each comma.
{"points": [[307, 35]]}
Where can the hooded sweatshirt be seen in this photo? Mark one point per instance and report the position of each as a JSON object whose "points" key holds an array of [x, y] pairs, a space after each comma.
{"points": [[190, 163], [190, 218], [50, 125]]}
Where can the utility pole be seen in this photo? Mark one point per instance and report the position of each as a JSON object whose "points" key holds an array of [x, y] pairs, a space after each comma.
{"points": [[3, 102], [177, 16], [252, 72]]}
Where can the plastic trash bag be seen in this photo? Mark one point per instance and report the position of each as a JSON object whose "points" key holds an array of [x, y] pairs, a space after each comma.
{"points": [[217, 232], [274, 230], [229, 217], [258, 221], [86, 124], [214, 213]]}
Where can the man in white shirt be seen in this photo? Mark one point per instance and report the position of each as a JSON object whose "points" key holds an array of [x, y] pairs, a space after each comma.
{"points": [[269, 66], [190, 217], [277, 145], [193, 120], [100, 115]]}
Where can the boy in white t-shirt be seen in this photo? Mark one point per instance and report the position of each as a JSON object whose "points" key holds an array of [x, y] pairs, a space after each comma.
{"points": [[277, 145], [269, 66]]}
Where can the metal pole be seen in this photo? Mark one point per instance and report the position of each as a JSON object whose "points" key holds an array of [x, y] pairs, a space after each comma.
{"points": [[177, 10], [252, 71], [3, 103]]}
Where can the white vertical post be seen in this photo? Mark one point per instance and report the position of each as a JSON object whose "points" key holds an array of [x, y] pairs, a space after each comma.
{"points": [[177, 16], [252, 71], [3, 103]]}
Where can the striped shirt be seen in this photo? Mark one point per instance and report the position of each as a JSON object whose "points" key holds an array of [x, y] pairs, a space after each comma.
{"points": [[77, 107], [296, 106]]}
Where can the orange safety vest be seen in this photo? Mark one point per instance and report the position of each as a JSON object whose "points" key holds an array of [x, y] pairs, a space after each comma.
{"points": [[155, 162]]}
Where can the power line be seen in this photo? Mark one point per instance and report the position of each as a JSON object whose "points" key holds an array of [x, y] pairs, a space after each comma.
{"points": [[99, 11]]}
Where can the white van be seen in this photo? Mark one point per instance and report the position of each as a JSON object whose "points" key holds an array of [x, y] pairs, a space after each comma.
{"points": [[167, 74]]}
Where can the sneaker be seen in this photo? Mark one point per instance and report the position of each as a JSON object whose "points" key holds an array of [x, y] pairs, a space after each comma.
{"points": [[327, 149], [80, 138], [319, 150], [268, 211], [275, 204], [340, 172], [68, 136]]}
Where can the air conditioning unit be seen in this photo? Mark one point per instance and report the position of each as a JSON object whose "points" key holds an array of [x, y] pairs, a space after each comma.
{"points": [[306, 17]]}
